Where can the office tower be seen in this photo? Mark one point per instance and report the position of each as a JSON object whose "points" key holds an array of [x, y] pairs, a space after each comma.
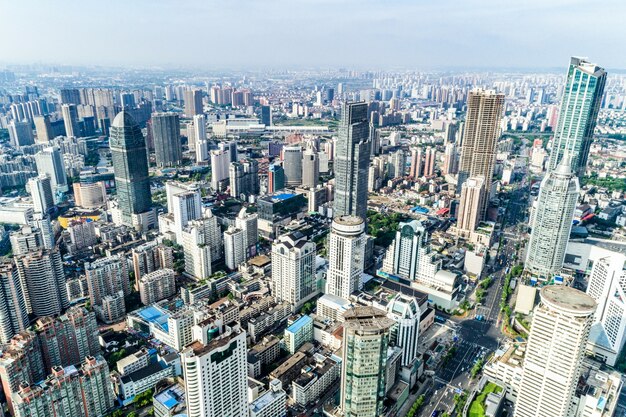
{"points": [[429, 162], [20, 361], [231, 148], [292, 164], [552, 221], [43, 282], [40, 189], [13, 315], [200, 138], [150, 257], [107, 281], [20, 133], [409, 254], [266, 116], [472, 195], [310, 168], [554, 353], [351, 161], [580, 104], [49, 161], [66, 340], [193, 102], [90, 195], [157, 285], [127, 100], [481, 132], [275, 179], [234, 247], [215, 373], [450, 160], [70, 96], [130, 166], [184, 202], [293, 269], [248, 222], [397, 163], [220, 161], [416, 163], [346, 256], [366, 333], [70, 120], [168, 150], [405, 312], [244, 178]]}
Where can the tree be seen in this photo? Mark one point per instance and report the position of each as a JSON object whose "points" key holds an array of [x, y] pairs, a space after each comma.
{"points": [[133, 414]]}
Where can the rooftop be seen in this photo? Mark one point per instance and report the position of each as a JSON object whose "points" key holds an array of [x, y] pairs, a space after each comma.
{"points": [[567, 299], [299, 324]]}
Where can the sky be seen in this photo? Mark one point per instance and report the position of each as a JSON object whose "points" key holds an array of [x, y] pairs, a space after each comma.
{"points": [[361, 34]]}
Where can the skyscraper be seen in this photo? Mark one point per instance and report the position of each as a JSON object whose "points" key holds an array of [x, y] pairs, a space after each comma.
{"points": [[107, 281], [580, 105], [416, 163], [551, 221], [351, 161], [234, 247], [20, 133], [365, 341], [168, 150], [130, 166], [472, 196], [405, 311], [266, 115], [193, 102], [481, 132], [346, 256], [275, 178], [310, 167], [13, 315], [450, 159], [215, 371], [49, 161], [40, 189], [220, 161], [70, 120], [200, 138], [429, 164], [293, 269], [292, 164], [556, 346], [43, 128], [248, 222]]}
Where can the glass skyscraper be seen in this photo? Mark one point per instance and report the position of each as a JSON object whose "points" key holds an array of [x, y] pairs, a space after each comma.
{"points": [[580, 104], [130, 165]]}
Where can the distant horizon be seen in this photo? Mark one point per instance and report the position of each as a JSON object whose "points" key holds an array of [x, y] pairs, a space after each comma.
{"points": [[360, 34]]}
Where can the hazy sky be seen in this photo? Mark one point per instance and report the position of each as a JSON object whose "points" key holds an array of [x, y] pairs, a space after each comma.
{"points": [[313, 33]]}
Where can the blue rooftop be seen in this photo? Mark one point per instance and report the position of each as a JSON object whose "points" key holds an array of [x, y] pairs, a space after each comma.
{"points": [[299, 324], [155, 315], [282, 196], [170, 398]]}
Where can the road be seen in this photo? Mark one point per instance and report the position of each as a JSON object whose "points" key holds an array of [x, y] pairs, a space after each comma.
{"points": [[476, 339]]}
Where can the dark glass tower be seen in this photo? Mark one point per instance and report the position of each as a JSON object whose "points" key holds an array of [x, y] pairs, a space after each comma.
{"points": [[168, 150], [352, 156], [130, 165]]}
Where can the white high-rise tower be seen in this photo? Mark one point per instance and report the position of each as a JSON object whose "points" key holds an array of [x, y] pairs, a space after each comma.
{"points": [[346, 256]]}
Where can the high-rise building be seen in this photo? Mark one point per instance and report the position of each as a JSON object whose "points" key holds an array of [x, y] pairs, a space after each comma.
{"points": [[234, 247], [70, 119], [184, 202], [215, 371], [70, 95], [244, 178], [20, 133], [397, 163], [43, 128], [472, 195], [40, 189], [107, 281], [193, 102], [13, 315], [310, 167], [231, 148], [429, 161], [292, 164], [200, 138], [90, 195], [202, 245], [130, 166], [409, 254], [275, 178], [351, 161], [168, 151], [366, 333], [157, 285], [220, 161], [249, 223], [266, 115], [554, 353], [416, 163], [346, 256], [150, 257], [580, 104], [43, 281], [480, 135], [551, 221], [405, 312], [49, 161], [450, 159], [293, 269], [25, 240]]}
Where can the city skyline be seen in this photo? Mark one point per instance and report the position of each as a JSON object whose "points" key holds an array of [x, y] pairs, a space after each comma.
{"points": [[332, 34]]}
